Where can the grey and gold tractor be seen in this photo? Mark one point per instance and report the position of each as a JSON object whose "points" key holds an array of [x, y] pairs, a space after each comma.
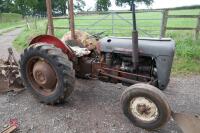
{"points": [[49, 66]]}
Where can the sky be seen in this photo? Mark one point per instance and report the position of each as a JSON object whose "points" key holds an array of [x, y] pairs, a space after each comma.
{"points": [[155, 5]]}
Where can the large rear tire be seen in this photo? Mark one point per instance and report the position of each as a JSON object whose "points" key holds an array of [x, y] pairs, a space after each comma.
{"points": [[47, 73], [145, 106]]}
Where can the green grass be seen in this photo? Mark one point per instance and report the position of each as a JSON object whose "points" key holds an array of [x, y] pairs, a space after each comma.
{"points": [[10, 17], [187, 58], [8, 20], [7, 26], [145, 26], [27, 35]]}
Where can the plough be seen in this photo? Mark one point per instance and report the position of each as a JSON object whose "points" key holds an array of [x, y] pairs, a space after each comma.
{"points": [[10, 79]]}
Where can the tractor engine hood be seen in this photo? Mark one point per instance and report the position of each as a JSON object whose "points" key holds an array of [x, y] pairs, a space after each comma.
{"points": [[147, 46], [161, 50]]}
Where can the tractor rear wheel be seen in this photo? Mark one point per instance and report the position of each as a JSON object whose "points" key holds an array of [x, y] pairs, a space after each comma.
{"points": [[145, 106], [47, 73]]}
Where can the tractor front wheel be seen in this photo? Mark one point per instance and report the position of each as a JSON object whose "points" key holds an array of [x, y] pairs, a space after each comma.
{"points": [[145, 106], [47, 72]]}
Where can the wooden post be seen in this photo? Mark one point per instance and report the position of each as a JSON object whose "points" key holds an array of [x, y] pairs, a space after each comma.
{"points": [[27, 23], [71, 15], [197, 28], [50, 19], [164, 23], [46, 29]]}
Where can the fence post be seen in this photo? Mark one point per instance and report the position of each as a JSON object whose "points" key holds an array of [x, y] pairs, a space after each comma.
{"points": [[46, 29], [35, 22], [164, 23], [27, 23], [197, 28]]}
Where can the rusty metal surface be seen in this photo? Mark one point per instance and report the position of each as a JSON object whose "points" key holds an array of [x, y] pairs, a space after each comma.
{"points": [[13, 125], [188, 123], [126, 73], [129, 81], [126, 77], [41, 76], [9, 74], [44, 75], [84, 67], [88, 67]]}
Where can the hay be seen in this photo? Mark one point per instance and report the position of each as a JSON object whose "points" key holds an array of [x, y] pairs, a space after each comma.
{"points": [[83, 38]]}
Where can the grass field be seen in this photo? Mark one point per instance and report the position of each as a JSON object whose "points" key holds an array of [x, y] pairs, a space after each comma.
{"points": [[8, 20], [122, 28], [187, 58]]}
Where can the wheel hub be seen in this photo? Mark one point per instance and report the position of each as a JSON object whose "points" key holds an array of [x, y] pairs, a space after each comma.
{"points": [[44, 75], [40, 77], [144, 109]]}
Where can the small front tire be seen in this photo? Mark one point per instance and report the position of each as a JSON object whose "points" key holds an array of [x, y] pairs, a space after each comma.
{"points": [[145, 106]]}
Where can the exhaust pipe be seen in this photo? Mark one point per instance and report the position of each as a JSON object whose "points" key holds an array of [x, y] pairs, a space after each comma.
{"points": [[135, 53]]}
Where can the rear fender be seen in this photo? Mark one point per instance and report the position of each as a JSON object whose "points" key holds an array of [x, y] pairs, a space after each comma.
{"points": [[56, 42]]}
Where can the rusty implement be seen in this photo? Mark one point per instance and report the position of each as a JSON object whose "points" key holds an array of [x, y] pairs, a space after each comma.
{"points": [[187, 123], [13, 125], [9, 74]]}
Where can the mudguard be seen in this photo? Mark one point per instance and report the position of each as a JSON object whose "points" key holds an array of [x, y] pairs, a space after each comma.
{"points": [[56, 42]]}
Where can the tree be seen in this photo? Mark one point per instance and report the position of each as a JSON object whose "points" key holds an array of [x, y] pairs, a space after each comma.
{"points": [[129, 2], [79, 5], [59, 7], [1, 6], [103, 5], [38, 7], [7, 6], [26, 7]]}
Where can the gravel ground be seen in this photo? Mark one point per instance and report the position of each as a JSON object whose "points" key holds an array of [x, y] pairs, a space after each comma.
{"points": [[6, 40], [94, 107]]}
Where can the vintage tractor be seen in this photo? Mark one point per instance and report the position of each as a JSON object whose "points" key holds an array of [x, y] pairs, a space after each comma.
{"points": [[48, 68]]}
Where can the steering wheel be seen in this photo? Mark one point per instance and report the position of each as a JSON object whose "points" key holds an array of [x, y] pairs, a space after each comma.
{"points": [[97, 35]]}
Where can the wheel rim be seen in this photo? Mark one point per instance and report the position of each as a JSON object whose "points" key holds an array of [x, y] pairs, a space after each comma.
{"points": [[144, 109], [41, 75]]}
